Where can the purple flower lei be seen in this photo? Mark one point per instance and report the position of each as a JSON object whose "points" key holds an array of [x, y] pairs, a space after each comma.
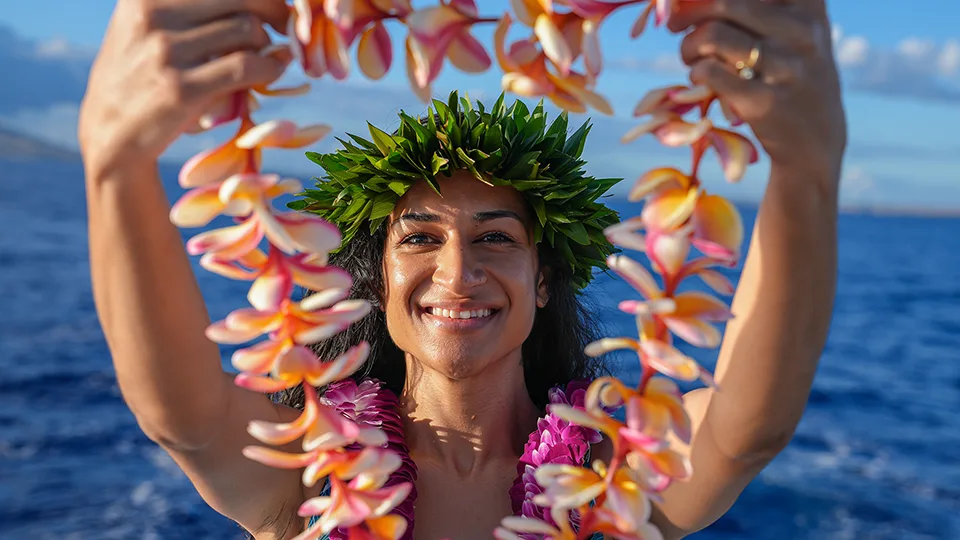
{"points": [[555, 441]]}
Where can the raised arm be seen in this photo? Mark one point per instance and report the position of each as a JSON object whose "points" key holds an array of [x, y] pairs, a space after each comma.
{"points": [[152, 78], [784, 301]]}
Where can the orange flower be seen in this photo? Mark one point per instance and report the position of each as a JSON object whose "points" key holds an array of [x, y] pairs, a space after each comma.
{"points": [[244, 102], [363, 502], [242, 153], [357, 504], [674, 201], [666, 107], [526, 74], [365, 18], [325, 432], [686, 314], [443, 32], [291, 325], [279, 272], [511, 525], [564, 37], [651, 415], [568, 487], [317, 41]]}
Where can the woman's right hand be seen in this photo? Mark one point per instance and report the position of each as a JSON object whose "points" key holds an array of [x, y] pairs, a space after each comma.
{"points": [[163, 63]]}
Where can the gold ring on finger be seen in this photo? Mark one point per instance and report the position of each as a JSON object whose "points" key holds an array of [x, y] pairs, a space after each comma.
{"points": [[747, 69]]}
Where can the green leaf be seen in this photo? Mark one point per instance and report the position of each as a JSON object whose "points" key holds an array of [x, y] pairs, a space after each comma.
{"points": [[422, 135], [383, 204], [559, 217], [574, 144], [437, 163], [577, 233], [375, 223], [383, 140], [354, 208], [398, 187], [539, 208]]}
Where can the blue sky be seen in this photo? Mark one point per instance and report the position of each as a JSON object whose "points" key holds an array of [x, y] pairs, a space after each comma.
{"points": [[901, 70]]}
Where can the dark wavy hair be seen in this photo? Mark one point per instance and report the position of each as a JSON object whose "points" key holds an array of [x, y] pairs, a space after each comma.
{"points": [[552, 354]]}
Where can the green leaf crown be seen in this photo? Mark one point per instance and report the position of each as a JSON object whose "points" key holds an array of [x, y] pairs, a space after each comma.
{"points": [[503, 146]]}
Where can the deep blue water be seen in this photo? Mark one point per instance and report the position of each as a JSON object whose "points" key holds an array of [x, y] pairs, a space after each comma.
{"points": [[876, 455]]}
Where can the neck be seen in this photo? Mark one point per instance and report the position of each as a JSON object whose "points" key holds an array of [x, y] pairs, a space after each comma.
{"points": [[465, 425]]}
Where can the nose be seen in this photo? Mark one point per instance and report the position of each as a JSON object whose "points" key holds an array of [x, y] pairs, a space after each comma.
{"points": [[458, 269]]}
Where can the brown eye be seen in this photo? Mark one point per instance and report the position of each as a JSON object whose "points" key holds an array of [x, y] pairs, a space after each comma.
{"points": [[497, 238], [416, 239]]}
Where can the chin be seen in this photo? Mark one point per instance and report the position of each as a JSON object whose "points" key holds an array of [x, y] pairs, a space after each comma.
{"points": [[459, 359]]}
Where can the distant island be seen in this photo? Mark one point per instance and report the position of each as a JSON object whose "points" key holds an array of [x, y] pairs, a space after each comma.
{"points": [[20, 148], [16, 146]]}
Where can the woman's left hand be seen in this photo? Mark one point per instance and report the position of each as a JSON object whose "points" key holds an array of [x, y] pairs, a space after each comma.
{"points": [[793, 101]]}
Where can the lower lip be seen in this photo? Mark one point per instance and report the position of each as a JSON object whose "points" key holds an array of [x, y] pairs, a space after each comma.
{"points": [[447, 323]]}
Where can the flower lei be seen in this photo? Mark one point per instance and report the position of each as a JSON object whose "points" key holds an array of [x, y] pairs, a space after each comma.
{"points": [[359, 459], [555, 441]]}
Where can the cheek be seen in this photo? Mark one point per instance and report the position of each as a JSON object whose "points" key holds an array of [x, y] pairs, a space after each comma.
{"points": [[400, 281]]}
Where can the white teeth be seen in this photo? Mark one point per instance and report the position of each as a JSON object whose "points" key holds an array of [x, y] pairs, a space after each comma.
{"points": [[452, 314]]}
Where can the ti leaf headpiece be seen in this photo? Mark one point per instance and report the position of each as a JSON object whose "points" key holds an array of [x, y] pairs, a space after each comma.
{"points": [[503, 146]]}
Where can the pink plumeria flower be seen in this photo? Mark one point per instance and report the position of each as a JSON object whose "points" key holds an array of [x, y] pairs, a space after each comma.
{"points": [[526, 74], [317, 41], [510, 526], [242, 153], [564, 37], [322, 32], [625, 514], [324, 433], [244, 102], [359, 505], [363, 504], [686, 314], [676, 205], [238, 196], [568, 487], [292, 326], [666, 107], [661, 10], [289, 232], [280, 271], [443, 32]]}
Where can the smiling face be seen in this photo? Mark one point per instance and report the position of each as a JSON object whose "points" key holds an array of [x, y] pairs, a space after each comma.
{"points": [[462, 276]]}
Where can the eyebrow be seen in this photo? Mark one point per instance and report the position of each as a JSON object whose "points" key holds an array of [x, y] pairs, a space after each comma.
{"points": [[479, 217]]}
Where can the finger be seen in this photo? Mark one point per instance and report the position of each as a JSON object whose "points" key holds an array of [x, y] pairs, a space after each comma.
{"points": [[274, 12], [783, 21], [745, 96], [731, 45], [235, 71], [218, 38]]}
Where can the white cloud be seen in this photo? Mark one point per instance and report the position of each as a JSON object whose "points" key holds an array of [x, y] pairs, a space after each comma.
{"points": [[949, 59], [915, 67], [852, 51], [664, 63], [62, 49], [856, 185]]}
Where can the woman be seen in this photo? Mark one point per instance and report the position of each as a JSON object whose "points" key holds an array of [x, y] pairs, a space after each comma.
{"points": [[467, 404]]}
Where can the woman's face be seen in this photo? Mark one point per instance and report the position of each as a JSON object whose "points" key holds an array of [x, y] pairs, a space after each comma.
{"points": [[462, 276]]}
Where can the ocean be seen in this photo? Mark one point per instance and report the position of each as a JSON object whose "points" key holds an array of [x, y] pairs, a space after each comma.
{"points": [[875, 456]]}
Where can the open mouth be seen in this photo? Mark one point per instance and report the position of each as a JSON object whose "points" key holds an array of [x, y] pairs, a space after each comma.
{"points": [[455, 314]]}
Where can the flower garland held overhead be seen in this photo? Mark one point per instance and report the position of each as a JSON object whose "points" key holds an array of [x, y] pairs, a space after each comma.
{"points": [[357, 454]]}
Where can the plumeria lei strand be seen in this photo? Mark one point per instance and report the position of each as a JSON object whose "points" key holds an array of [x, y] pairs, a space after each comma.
{"points": [[678, 215]]}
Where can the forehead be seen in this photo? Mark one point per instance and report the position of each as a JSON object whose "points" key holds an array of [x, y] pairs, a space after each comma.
{"points": [[461, 194]]}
